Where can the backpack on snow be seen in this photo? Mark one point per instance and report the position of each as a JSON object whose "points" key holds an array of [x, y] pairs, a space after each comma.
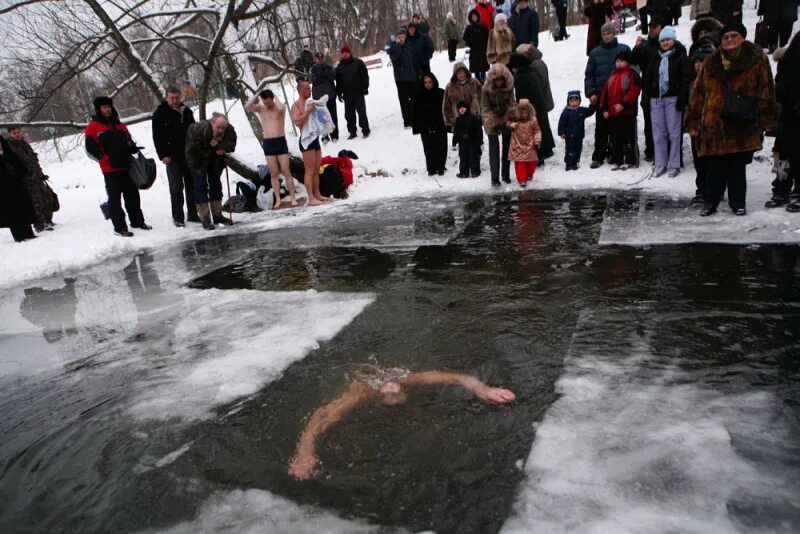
{"points": [[331, 182]]}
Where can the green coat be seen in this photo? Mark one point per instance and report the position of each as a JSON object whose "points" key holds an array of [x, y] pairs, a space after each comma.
{"points": [[451, 30], [199, 152]]}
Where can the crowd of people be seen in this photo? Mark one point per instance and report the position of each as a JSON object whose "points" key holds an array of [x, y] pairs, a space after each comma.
{"points": [[720, 92]]}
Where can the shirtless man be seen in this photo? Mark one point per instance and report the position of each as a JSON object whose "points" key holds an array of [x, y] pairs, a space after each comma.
{"points": [[272, 115], [389, 391], [312, 154]]}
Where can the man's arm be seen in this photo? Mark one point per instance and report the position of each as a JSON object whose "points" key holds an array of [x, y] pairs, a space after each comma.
{"points": [[470, 383], [253, 105], [305, 459]]}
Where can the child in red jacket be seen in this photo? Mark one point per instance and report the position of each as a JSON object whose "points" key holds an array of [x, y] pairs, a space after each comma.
{"points": [[618, 103]]}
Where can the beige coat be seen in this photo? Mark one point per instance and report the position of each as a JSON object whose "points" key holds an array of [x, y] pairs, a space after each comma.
{"points": [[501, 44]]}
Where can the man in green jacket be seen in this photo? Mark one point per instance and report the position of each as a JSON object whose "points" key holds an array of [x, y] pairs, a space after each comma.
{"points": [[207, 142], [451, 35]]}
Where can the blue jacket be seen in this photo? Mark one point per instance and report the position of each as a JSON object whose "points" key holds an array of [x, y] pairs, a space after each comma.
{"points": [[525, 25], [602, 61], [422, 51], [402, 62], [570, 124]]}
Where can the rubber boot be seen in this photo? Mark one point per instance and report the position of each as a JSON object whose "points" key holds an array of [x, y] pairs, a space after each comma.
{"points": [[216, 212], [205, 218]]}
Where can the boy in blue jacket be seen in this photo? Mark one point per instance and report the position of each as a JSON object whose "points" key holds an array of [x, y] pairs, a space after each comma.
{"points": [[571, 128]]}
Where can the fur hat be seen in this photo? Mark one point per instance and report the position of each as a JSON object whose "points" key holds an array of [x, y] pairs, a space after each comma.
{"points": [[102, 101], [608, 27], [500, 17], [625, 56], [668, 32], [575, 93], [346, 48], [702, 52], [737, 27]]}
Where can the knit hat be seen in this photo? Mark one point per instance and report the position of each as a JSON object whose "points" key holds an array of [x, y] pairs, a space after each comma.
{"points": [[737, 27], [608, 27], [346, 49], [575, 93], [625, 56], [500, 17], [668, 32]]}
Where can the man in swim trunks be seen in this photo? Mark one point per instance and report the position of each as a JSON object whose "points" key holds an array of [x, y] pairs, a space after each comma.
{"points": [[389, 391], [312, 154], [272, 115]]}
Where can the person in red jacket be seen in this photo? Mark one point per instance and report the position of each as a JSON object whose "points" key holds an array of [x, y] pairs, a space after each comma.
{"points": [[109, 142], [486, 11], [618, 103]]}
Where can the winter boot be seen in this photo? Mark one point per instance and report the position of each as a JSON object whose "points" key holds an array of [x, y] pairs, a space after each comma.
{"points": [[794, 207], [216, 211], [776, 202], [205, 218]]}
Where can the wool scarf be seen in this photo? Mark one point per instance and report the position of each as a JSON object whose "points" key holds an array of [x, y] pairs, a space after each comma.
{"points": [[728, 59], [663, 72]]}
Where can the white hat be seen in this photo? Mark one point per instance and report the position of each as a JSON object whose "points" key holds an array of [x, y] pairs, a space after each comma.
{"points": [[500, 17]]}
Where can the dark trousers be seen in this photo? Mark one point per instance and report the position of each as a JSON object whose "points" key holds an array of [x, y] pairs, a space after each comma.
{"points": [[181, 185], [787, 178], [355, 104], [648, 129], [572, 150], [643, 19], [208, 186], [600, 138], [452, 44], [405, 93], [728, 170], [496, 158], [119, 186], [481, 76], [331, 105], [562, 24], [622, 131], [469, 158], [435, 147], [701, 168], [780, 31], [21, 232]]}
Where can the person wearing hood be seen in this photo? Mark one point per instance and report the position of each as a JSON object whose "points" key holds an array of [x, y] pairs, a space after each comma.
{"points": [[524, 22], [427, 121], [476, 37], [602, 61], [780, 16], [468, 137], [422, 23], [486, 13], [171, 121], [501, 41], [618, 103], [526, 137], [452, 34], [421, 49], [572, 130], [666, 85], [108, 142], [404, 74], [34, 179], [323, 82], [787, 141], [643, 55], [705, 31], [528, 85], [464, 87], [16, 209], [496, 99], [596, 11], [729, 131], [352, 85], [534, 56]]}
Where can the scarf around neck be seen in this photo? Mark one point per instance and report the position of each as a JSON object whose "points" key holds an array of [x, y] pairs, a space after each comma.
{"points": [[663, 72], [728, 59]]}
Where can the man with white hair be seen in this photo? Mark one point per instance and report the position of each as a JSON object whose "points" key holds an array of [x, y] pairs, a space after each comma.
{"points": [[452, 33]]}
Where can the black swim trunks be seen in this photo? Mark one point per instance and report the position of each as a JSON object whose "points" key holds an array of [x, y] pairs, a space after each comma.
{"points": [[275, 146], [312, 146]]}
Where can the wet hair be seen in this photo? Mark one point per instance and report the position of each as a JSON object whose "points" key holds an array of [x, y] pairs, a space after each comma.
{"points": [[12, 128], [174, 90], [302, 81], [267, 93]]}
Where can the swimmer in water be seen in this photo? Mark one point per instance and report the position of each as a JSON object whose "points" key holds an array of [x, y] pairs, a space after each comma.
{"points": [[389, 392]]}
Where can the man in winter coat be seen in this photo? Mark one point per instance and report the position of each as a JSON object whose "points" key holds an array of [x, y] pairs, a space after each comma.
{"points": [[323, 82], [108, 142], [16, 210], [525, 24], [462, 86], [171, 121], [729, 135], [421, 49], [602, 60], [596, 11], [352, 85], [452, 34], [207, 142], [528, 85], [728, 11], [780, 16], [34, 179], [643, 54], [618, 103], [496, 99], [404, 74], [476, 37], [572, 130], [486, 12]]}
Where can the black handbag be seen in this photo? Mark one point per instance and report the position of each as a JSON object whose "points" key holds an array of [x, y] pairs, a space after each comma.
{"points": [[142, 171], [51, 196], [738, 107]]}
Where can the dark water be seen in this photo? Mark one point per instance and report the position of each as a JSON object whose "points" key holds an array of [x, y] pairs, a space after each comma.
{"points": [[513, 290]]}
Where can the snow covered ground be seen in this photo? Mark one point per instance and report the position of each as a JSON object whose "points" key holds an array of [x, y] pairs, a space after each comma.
{"points": [[83, 238]]}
